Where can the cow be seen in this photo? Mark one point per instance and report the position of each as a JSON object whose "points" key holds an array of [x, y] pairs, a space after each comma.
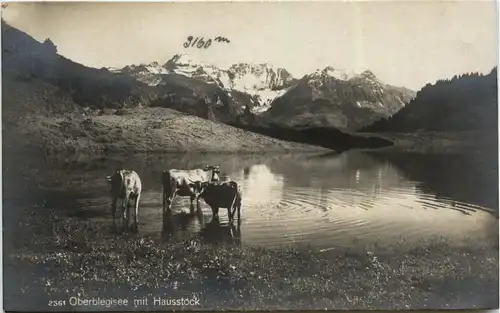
{"points": [[125, 185], [217, 195], [182, 183]]}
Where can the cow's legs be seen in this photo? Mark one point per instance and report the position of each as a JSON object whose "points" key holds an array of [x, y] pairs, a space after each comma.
{"points": [[237, 234], [230, 214], [169, 200], [215, 212], [164, 199], [198, 204], [136, 215], [126, 211], [191, 207], [239, 213], [113, 207]]}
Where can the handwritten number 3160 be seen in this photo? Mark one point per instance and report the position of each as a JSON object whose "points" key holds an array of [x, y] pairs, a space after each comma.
{"points": [[200, 43]]}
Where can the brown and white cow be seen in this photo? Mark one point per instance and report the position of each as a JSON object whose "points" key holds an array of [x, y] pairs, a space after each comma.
{"points": [[127, 186], [182, 183], [217, 195]]}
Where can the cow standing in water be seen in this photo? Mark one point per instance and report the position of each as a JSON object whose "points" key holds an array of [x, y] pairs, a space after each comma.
{"points": [[182, 183], [217, 195], [127, 186]]}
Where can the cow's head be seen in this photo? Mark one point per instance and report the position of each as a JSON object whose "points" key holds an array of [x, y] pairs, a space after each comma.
{"points": [[199, 188], [215, 169]]}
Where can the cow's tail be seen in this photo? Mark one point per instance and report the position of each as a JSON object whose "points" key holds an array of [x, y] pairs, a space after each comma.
{"points": [[123, 185], [236, 193]]}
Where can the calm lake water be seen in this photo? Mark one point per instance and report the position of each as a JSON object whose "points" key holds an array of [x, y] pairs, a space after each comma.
{"points": [[325, 201]]}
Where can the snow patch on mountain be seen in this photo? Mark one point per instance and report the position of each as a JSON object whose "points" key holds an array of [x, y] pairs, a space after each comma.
{"points": [[340, 74], [262, 85], [263, 82]]}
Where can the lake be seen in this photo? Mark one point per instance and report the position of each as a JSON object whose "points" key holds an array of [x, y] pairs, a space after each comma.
{"points": [[326, 201]]}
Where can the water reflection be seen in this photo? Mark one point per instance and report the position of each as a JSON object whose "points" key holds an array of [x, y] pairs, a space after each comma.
{"points": [[469, 178], [181, 225], [327, 201], [216, 232]]}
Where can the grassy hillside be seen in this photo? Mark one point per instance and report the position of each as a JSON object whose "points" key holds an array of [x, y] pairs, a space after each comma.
{"points": [[41, 116]]}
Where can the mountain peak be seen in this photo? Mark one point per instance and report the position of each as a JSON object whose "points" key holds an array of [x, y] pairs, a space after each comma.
{"points": [[330, 71], [253, 65], [341, 74], [181, 59], [368, 74]]}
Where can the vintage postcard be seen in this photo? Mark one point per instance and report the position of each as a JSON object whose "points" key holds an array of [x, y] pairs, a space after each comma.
{"points": [[333, 155]]}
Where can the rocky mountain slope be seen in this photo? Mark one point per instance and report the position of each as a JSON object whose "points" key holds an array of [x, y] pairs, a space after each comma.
{"points": [[328, 97], [255, 85], [336, 98], [465, 102]]}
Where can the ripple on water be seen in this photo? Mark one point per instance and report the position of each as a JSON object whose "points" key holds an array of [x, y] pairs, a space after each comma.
{"points": [[326, 212], [341, 215]]}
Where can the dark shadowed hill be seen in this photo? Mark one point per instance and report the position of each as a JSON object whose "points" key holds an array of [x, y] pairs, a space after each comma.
{"points": [[465, 102], [24, 58], [332, 98], [327, 137]]}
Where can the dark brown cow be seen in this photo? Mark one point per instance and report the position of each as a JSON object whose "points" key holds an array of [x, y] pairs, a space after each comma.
{"points": [[217, 195], [182, 183], [125, 185]]}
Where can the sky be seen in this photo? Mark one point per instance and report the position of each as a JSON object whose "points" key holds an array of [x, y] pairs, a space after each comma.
{"points": [[404, 43]]}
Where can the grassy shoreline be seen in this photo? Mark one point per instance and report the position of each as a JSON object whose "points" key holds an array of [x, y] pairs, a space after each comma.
{"points": [[59, 256], [438, 142]]}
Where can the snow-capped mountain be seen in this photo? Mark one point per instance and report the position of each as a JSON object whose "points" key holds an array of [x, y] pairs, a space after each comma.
{"points": [[261, 82], [339, 98], [146, 73], [328, 97]]}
